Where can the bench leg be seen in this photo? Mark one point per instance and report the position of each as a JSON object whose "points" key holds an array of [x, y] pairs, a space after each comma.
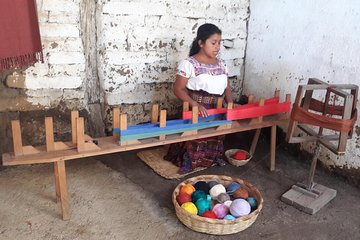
{"points": [[254, 141], [60, 175], [272, 148], [57, 187]]}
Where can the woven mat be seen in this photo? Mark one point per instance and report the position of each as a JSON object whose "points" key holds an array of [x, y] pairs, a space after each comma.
{"points": [[154, 158]]}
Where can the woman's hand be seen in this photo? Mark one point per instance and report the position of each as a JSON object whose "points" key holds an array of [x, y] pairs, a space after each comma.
{"points": [[202, 110]]}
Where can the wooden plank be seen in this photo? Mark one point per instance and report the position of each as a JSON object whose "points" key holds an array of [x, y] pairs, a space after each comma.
{"points": [[154, 113], [16, 135], [107, 145], [49, 134], [63, 190], [74, 116], [162, 123]]}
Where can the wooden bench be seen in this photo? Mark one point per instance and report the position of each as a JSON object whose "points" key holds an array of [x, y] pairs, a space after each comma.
{"points": [[83, 146]]}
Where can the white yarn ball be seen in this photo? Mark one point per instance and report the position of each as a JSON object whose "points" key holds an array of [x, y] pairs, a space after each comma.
{"points": [[216, 190]]}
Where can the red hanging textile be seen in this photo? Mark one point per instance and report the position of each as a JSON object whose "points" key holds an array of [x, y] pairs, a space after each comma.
{"points": [[20, 43]]}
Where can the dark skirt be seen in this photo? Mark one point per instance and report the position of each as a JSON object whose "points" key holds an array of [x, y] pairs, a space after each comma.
{"points": [[201, 152]]}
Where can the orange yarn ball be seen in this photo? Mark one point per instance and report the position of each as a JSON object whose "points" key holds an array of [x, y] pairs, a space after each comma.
{"points": [[241, 193], [188, 188]]}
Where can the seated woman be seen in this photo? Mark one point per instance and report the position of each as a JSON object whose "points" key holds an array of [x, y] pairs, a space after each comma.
{"points": [[200, 80]]}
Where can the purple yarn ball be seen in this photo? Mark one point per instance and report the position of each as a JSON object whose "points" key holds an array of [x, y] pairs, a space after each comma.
{"points": [[240, 207], [220, 210]]}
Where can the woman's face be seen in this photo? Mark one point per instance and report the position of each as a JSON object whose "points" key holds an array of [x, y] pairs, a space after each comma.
{"points": [[211, 47]]}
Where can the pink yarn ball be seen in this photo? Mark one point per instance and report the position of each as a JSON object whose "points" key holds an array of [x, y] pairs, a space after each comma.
{"points": [[220, 210], [240, 207]]}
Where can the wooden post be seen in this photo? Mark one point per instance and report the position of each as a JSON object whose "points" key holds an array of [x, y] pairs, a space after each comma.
{"points": [[277, 93], [116, 115], [162, 122], [250, 98], [123, 126], [57, 185], [254, 141], [80, 136], [74, 116], [116, 123], [195, 117], [186, 106], [49, 134], [272, 147], [154, 113], [261, 104], [17, 140], [292, 123], [230, 105], [63, 191], [219, 102]]}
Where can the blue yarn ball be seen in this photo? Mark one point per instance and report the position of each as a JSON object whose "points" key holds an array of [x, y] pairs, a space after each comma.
{"points": [[198, 194], [202, 205], [229, 217], [232, 188], [252, 201]]}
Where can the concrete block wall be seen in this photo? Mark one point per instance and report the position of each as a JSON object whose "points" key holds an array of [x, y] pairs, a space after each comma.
{"points": [[110, 53], [140, 43]]}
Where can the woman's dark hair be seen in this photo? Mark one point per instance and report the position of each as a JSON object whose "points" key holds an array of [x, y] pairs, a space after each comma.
{"points": [[203, 33]]}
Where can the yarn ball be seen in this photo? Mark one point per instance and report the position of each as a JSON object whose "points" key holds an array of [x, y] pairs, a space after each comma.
{"points": [[239, 155], [198, 194], [212, 183], [241, 193], [239, 207], [190, 207], [232, 187], [202, 205], [229, 217], [220, 210], [183, 198], [216, 190], [223, 197], [252, 201], [202, 185], [228, 203], [209, 214], [188, 188]]}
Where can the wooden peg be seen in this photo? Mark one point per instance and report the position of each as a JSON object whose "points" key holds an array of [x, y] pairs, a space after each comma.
{"points": [[230, 105], [277, 93], [123, 121], [288, 97], [250, 98], [261, 103], [185, 106], [116, 119], [80, 138], [219, 102], [74, 116], [17, 140], [162, 122], [49, 134], [154, 113]]}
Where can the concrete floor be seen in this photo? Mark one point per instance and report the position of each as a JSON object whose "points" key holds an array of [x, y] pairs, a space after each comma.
{"points": [[340, 219], [118, 197]]}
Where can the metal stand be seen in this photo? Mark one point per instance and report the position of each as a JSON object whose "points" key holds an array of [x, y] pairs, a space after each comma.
{"points": [[309, 197]]}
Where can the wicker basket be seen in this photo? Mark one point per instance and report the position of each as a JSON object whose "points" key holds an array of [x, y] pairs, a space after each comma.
{"points": [[217, 226], [235, 162]]}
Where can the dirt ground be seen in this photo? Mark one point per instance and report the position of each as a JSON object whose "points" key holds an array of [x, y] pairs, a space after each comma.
{"points": [[104, 205], [117, 196]]}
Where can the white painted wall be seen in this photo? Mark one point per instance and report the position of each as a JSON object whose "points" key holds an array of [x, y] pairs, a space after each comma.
{"points": [[290, 41]]}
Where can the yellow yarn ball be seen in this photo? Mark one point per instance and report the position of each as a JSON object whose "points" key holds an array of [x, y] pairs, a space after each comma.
{"points": [[190, 207]]}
